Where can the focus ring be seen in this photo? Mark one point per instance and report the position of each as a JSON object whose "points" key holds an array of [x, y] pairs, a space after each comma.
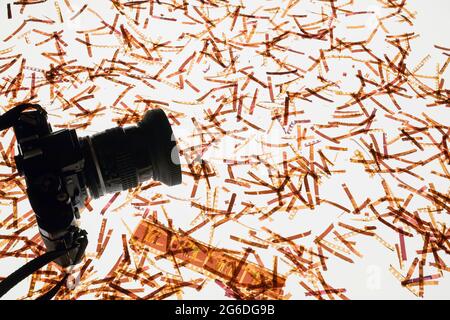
{"points": [[126, 170]]}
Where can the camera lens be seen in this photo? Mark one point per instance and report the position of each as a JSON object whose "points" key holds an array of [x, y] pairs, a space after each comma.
{"points": [[120, 158]]}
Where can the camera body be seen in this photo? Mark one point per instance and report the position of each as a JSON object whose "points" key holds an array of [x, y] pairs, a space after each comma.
{"points": [[53, 165]]}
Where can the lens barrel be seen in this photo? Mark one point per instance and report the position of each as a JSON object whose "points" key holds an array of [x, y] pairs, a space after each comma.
{"points": [[120, 158]]}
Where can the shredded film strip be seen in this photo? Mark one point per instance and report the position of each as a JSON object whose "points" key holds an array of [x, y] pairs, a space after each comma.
{"points": [[313, 137]]}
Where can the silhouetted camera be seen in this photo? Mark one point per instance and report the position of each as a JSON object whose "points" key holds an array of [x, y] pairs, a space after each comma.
{"points": [[61, 170]]}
